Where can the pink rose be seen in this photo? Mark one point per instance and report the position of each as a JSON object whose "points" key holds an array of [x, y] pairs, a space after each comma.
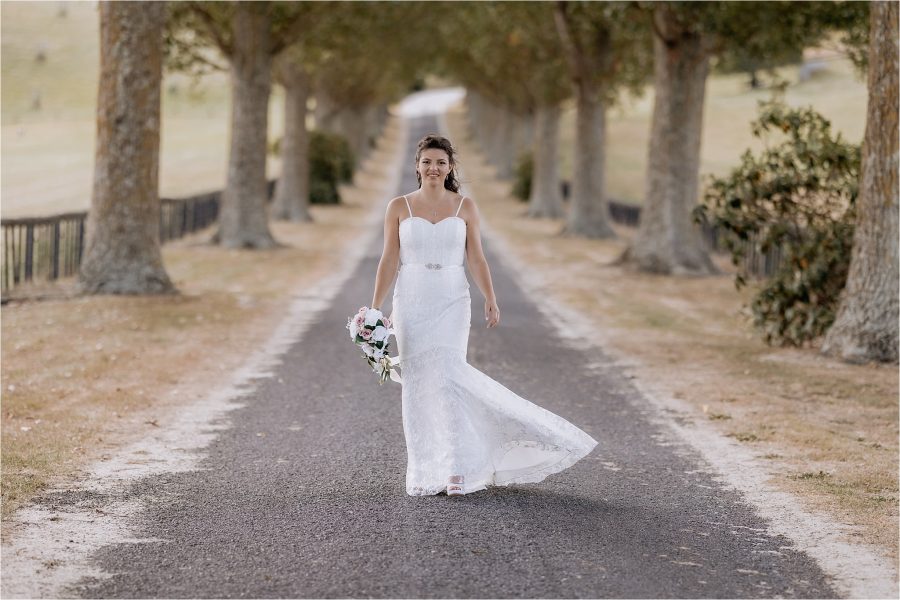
{"points": [[387, 322], [365, 333], [363, 310], [359, 320]]}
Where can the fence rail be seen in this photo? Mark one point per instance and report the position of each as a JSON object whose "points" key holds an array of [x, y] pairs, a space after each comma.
{"points": [[47, 248], [755, 262], [42, 248]]}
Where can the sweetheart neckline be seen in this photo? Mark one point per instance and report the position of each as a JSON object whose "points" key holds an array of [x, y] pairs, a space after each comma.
{"points": [[430, 223]]}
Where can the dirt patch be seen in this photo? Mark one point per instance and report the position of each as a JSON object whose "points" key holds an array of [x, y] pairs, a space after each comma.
{"points": [[826, 431], [82, 376]]}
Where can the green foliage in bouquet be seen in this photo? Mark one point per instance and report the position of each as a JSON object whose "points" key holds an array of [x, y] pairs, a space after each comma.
{"points": [[798, 195], [375, 343], [522, 182], [330, 163]]}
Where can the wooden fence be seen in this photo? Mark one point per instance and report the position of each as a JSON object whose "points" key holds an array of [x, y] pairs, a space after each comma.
{"points": [[48, 248], [755, 262]]}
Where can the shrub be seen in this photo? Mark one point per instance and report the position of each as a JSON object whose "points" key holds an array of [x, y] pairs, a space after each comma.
{"points": [[798, 195], [330, 163], [522, 183]]}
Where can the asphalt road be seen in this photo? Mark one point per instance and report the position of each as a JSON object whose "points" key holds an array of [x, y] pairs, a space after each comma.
{"points": [[304, 495]]}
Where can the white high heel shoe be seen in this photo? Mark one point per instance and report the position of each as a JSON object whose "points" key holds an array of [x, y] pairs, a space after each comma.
{"points": [[456, 486]]}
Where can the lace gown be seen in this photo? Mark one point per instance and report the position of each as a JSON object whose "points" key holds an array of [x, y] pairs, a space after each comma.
{"points": [[457, 420]]}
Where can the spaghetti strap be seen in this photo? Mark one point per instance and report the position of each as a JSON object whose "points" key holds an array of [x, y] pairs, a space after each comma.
{"points": [[460, 206], [407, 205]]}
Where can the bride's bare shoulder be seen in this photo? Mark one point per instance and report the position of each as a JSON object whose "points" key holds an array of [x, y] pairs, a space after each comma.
{"points": [[468, 206], [396, 205]]}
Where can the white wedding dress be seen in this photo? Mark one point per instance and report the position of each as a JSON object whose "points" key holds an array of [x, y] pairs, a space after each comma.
{"points": [[457, 420]]}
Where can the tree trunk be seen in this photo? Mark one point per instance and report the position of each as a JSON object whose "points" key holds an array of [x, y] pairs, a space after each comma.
{"points": [[481, 123], [866, 324], [504, 145], [372, 128], [523, 135], [588, 213], [349, 123], [384, 114], [243, 219], [546, 198], [474, 108], [325, 111], [487, 129], [122, 254], [291, 201], [667, 241], [356, 132]]}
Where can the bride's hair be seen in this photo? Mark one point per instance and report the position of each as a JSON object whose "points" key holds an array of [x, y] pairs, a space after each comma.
{"points": [[441, 143]]}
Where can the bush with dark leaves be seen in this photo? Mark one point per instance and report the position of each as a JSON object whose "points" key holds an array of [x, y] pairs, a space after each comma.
{"points": [[797, 195]]}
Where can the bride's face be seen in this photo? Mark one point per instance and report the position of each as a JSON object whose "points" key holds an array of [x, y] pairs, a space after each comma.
{"points": [[433, 166]]}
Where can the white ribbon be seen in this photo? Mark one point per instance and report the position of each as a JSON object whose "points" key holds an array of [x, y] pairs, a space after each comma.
{"points": [[394, 375]]}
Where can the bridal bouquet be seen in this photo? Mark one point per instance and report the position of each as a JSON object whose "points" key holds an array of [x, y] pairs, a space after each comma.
{"points": [[370, 330]]}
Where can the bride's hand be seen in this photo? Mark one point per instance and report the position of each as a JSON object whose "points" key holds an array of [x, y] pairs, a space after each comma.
{"points": [[491, 313]]}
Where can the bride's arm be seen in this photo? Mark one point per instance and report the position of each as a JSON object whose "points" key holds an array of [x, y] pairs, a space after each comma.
{"points": [[478, 265], [390, 256]]}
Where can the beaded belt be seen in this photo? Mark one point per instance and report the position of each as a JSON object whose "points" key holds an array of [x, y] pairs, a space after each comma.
{"points": [[431, 266]]}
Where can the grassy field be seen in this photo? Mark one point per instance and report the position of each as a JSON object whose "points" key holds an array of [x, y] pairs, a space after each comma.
{"points": [[836, 90], [48, 152]]}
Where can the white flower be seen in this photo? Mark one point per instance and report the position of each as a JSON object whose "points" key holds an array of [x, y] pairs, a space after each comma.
{"points": [[372, 316], [380, 334], [369, 350], [378, 353], [351, 325]]}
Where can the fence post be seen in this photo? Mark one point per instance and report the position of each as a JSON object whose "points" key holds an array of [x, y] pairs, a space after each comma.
{"points": [[80, 239], [17, 255], [184, 218], [162, 223], [29, 251], [54, 252]]}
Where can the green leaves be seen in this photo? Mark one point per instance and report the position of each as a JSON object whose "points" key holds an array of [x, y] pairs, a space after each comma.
{"points": [[796, 196], [198, 36], [523, 176], [330, 164]]}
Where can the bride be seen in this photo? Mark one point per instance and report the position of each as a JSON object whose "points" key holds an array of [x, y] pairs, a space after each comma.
{"points": [[464, 431]]}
